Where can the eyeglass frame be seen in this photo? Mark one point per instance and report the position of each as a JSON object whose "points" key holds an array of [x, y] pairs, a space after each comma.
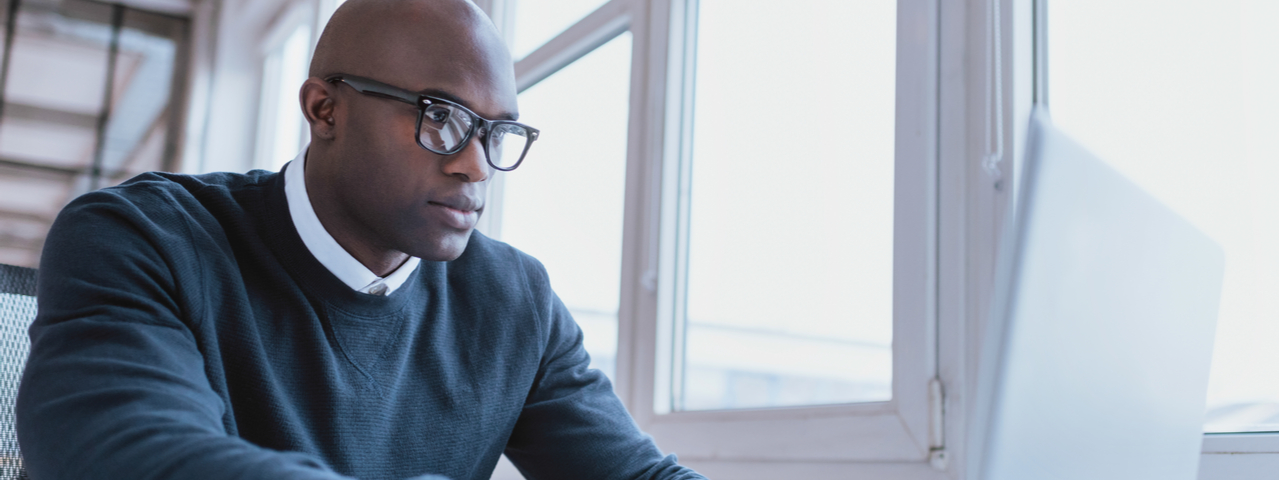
{"points": [[375, 88]]}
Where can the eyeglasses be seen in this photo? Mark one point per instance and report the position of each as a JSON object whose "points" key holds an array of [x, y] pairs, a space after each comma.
{"points": [[445, 128]]}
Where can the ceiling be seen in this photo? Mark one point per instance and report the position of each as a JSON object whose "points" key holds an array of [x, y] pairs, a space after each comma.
{"points": [[50, 132], [172, 7]]}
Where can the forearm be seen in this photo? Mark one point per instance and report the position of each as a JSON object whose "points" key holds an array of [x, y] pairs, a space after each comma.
{"points": [[572, 424], [110, 399]]}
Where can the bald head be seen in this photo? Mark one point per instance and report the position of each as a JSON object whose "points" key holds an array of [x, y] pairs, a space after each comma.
{"points": [[392, 40]]}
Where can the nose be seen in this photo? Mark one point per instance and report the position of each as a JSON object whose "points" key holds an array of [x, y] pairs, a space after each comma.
{"points": [[469, 164]]}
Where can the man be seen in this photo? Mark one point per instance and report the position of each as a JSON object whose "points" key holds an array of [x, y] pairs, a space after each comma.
{"points": [[338, 319]]}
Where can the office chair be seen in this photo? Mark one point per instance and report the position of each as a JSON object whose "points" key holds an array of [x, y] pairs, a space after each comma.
{"points": [[17, 310]]}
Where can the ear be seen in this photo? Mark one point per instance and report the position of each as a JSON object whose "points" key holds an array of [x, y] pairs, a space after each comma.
{"points": [[317, 97]]}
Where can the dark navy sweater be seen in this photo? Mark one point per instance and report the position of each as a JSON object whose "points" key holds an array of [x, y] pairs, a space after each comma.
{"points": [[185, 331]]}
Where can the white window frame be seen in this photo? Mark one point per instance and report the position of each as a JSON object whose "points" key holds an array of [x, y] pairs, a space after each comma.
{"points": [[225, 80], [597, 28], [289, 19], [852, 435], [1239, 456]]}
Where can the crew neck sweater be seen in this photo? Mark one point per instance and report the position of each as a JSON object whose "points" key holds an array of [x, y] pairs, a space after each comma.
{"points": [[185, 331]]}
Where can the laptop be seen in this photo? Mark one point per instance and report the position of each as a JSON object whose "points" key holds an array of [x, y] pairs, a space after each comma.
{"points": [[1095, 360]]}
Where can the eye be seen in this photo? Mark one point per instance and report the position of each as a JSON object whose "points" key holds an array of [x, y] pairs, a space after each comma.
{"points": [[438, 115]]}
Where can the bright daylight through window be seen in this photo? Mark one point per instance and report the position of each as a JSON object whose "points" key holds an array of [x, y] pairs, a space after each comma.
{"points": [[576, 171], [790, 253], [1188, 109], [281, 125], [62, 133], [538, 21]]}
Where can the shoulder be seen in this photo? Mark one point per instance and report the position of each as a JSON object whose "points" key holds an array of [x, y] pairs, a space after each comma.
{"points": [[183, 189], [496, 265], [495, 261], [508, 284], [144, 233], [164, 191], [159, 200], [482, 250], [153, 212]]}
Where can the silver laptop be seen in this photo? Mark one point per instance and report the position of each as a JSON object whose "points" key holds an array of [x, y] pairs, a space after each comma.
{"points": [[1095, 361]]}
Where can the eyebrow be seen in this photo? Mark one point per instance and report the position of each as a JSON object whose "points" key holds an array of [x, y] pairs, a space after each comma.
{"points": [[443, 95]]}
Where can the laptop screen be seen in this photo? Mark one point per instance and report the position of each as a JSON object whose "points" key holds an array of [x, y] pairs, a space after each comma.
{"points": [[1095, 360]]}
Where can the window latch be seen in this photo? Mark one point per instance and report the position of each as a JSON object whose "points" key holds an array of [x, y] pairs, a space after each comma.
{"points": [[937, 442]]}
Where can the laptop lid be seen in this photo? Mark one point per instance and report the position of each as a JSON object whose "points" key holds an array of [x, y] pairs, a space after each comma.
{"points": [[1095, 361]]}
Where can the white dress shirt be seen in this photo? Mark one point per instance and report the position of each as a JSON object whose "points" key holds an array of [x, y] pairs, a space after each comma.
{"points": [[325, 248]]}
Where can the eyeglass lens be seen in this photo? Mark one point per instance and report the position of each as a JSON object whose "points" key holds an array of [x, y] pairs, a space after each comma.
{"points": [[444, 127], [507, 144]]}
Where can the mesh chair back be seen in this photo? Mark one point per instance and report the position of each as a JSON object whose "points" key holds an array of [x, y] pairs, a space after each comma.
{"points": [[17, 310]]}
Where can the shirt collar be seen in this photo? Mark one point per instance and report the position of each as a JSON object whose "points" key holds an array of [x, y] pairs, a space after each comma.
{"points": [[325, 248]]}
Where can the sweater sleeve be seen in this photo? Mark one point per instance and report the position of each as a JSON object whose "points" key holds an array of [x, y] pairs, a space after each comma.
{"points": [[573, 426], [115, 385]]}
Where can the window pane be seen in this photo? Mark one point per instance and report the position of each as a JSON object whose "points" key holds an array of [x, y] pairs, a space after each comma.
{"points": [[564, 204], [1181, 97], [57, 80], [48, 132], [538, 21], [791, 223], [280, 120], [138, 130], [57, 75]]}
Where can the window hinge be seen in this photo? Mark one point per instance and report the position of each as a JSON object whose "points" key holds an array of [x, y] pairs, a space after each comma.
{"points": [[937, 443], [650, 280]]}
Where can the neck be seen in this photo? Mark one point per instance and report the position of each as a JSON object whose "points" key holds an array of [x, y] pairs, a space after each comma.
{"points": [[343, 226], [380, 262]]}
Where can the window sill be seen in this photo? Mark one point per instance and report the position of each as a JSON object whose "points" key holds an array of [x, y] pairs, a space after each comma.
{"points": [[1240, 456]]}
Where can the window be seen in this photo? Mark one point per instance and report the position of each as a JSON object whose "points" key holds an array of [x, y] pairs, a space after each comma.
{"points": [[537, 21], [872, 367], [1192, 118], [90, 98], [578, 172], [789, 291], [281, 126], [676, 182], [566, 204], [137, 137]]}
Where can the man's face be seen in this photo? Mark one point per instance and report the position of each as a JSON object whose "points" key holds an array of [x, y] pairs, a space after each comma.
{"points": [[410, 199]]}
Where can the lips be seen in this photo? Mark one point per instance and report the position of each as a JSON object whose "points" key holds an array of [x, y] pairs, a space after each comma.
{"points": [[462, 202], [458, 211]]}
